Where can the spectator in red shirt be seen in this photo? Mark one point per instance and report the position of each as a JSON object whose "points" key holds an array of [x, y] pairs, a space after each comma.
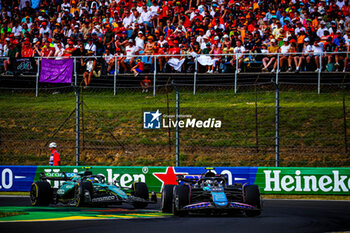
{"points": [[145, 84]]}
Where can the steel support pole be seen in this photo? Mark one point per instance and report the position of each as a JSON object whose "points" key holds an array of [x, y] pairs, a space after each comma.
{"points": [[195, 76], [115, 76], [277, 145], [37, 79], [77, 126], [319, 76], [75, 72], [155, 75], [177, 128], [236, 73]]}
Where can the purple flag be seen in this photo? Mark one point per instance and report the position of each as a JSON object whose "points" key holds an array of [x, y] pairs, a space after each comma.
{"points": [[56, 71]]}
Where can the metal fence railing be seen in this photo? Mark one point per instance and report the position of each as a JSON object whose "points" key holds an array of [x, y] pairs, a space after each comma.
{"points": [[267, 119], [227, 65]]}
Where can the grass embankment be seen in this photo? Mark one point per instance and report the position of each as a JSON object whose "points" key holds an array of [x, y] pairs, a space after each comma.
{"points": [[311, 129]]}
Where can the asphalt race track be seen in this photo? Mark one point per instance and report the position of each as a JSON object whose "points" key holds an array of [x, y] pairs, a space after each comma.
{"points": [[278, 216]]}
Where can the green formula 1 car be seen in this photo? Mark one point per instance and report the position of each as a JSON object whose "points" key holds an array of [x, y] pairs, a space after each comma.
{"points": [[86, 189]]}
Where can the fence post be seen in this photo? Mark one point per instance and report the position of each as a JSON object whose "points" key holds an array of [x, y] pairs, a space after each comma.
{"points": [[236, 72], [277, 143], [319, 76], [75, 72], [278, 68], [77, 125], [195, 76], [177, 128], [345, 127], [37, 80], [155, 75], [115, 76]]}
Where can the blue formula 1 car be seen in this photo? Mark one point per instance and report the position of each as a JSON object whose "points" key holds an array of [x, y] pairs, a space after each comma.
{"points": [[209, 193], [86, 189]]}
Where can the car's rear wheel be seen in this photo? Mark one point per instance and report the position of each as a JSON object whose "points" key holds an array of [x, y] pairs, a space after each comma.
{"points": [[252, 197], [140, 190], [180, 199], [40, 193], [167, 198], [82, 194]]}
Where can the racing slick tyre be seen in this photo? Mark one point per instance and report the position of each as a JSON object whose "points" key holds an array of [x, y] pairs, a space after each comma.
{"points": [[180, 199], [167, 198], [252, 197], [82, 194], [41, 193], [140, 190]]}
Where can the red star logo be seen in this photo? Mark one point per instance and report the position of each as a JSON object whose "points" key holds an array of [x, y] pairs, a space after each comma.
{"points": [[169, 177]]}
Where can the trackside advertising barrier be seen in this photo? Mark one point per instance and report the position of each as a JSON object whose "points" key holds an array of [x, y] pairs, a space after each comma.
{"points": [[271, 180]]}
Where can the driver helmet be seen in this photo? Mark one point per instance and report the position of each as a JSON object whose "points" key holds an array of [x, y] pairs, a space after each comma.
{"points": [[92, 179]]}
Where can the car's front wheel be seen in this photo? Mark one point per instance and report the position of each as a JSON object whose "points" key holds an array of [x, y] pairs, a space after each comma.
{"points": [[252, 197], [40, 193], [82, 194], [167, 198], [180, 199], [140, 190]]}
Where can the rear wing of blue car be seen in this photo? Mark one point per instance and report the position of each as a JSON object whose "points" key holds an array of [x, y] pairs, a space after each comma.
{"points": [[181, 179]]}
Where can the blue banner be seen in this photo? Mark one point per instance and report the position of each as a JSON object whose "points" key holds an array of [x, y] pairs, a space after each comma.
{"points": [[16, 178]]}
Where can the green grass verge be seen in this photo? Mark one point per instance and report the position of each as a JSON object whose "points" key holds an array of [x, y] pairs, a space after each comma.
{"points": [[311, 129]]}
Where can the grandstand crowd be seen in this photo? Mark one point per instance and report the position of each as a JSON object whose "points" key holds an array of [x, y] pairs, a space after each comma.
{"points": [[118, 29]]}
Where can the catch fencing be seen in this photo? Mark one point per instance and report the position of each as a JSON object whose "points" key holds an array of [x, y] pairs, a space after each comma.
{"points": [[280, 119]]}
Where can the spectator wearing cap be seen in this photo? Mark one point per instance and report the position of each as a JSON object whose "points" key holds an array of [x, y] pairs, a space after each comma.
{"points": [[129, 58], [317, 49], [333, 29], [6, 46], [76, 32], [44, 29], [108, 36], [284, 49], [306, 54], [320, 31], [341, 27], [70, 49], [140, 40], [317, 21], [341, 55], [270, 59], [138, 68], [299, 28], [338, 38], [91, 47], [90, 66], [149, 45], [293, 49], [28, 21], [27, 50]]}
